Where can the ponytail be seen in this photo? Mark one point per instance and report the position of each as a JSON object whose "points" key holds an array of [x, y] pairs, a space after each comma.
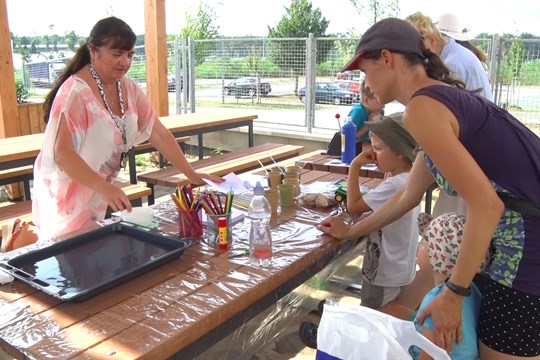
{"points": [[436, 69], [77, 62]]}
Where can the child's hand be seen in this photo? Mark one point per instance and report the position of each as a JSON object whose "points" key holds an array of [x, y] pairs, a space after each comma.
{"points": [[365, 157], [334, 226]]}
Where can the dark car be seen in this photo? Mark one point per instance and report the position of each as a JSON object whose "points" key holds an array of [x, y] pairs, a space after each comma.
{"points": [[330, 92], [247, 86]]}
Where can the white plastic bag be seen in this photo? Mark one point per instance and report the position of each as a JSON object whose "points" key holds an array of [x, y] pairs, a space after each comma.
{"points": [[357, 332]]}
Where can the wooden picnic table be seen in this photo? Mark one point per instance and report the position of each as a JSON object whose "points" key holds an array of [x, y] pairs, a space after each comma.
{"points": [[237, 161], [179, 309], [22, 150], [19, 150], [199, 124], [333, 164]]}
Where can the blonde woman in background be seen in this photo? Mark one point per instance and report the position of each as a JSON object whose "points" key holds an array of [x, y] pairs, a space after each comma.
{"points": [[463, 65]]}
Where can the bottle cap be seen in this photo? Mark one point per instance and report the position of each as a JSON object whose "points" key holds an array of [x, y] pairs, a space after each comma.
{"points": [[222, 222], [258, 189]]}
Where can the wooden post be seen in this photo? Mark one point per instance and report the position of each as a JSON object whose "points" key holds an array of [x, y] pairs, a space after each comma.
{"points": [[155, 39], [9, 115]]}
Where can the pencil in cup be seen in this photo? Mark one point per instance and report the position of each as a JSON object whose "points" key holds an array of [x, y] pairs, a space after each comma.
{"points": [[190, 223]]}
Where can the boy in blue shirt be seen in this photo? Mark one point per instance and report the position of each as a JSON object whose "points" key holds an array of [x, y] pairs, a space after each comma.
{"points": [[367, 109]]}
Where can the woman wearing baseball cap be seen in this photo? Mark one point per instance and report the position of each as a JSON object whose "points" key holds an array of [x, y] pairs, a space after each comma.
{"points": [[460, 134]]}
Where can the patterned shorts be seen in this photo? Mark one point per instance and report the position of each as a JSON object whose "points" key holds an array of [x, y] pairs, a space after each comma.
{"points": [[509, 320]]}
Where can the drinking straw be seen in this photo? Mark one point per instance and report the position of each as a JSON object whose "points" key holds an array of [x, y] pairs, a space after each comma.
{"points": [[264, 168], [279, 167]]}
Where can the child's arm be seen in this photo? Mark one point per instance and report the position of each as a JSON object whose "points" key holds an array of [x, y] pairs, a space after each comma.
{"points": [[355, 203], [428, 333], [362, 131]]}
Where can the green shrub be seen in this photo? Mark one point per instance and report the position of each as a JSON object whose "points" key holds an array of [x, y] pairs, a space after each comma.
{"points": [[22, 92]]}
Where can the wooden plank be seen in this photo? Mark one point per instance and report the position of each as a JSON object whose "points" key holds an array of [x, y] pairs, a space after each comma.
{"points": [[226, 161], [155, 36], [8, 100], [24, 119], [147, 147], [238, 165], [35, 120], [23, 170]]}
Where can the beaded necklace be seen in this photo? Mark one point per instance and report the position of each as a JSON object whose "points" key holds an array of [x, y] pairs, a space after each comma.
{"points": [[121, 127]]}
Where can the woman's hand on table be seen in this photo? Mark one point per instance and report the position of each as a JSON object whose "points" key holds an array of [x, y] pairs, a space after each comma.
{"points": [[115, 197], [445, 312], [214, 178], [334, 226], [197, 178]]}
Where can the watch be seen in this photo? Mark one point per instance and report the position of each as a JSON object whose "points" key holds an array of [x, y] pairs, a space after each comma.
{"points": [[458, 289]]}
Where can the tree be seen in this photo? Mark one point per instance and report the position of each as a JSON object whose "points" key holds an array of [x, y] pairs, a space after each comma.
{"points": [[375, 10], [200, 27], [71, 39], [300, 20]]}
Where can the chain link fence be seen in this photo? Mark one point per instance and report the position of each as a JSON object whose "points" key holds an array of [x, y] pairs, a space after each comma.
{"points": [[269, 76]]}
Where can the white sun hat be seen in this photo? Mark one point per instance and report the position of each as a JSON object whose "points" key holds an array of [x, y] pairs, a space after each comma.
{"points": [[450, 25]]}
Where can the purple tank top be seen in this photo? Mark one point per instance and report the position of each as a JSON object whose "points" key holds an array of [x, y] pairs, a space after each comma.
{"points": [[509, 154]]}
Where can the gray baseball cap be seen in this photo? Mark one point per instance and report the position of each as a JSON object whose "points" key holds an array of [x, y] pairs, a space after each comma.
{"points": [[391, 34]]}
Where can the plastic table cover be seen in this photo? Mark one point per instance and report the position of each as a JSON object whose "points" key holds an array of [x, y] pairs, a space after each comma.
{"points": [[173, 307]]}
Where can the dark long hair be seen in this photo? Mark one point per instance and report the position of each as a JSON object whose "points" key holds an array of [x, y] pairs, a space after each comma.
{"points": [[476, 51], [435, 67], [111, 32]]}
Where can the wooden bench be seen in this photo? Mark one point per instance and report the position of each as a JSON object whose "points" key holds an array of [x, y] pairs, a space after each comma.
{"points": [[26, 173], [147, 147], [23, 209], [237, 161], [20, 174]]}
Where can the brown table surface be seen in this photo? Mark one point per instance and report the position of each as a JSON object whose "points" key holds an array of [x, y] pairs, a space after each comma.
{"points": [[182, 307], [23, 150], [200, 123], [332, 164], [19, 150]]}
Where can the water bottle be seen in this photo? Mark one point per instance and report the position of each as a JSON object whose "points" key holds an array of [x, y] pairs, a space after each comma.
{"points": [[260, 238], [348, 141]]}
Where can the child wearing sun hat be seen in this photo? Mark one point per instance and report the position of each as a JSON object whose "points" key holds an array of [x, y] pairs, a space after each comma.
{"points": [[437, 252]]}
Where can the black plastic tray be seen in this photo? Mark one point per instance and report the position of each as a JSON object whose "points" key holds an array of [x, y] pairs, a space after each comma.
{"points": [[87, 264]]}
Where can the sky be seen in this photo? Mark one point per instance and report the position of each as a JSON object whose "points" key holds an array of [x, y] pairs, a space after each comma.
{"points": [[252, 17]]}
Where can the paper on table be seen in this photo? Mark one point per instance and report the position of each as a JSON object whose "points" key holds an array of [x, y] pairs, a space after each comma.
{"points": [[236, 216], [369, 167], [232, 182]]}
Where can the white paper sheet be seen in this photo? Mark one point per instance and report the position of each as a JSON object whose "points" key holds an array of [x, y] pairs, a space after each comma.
{"points": [[232, 182]]}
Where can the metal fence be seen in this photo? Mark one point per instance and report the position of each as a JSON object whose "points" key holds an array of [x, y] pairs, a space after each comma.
{"points": [[266, 76]]}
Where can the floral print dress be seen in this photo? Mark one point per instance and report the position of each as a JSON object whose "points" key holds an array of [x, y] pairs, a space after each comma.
{"points": [[61, 205]]}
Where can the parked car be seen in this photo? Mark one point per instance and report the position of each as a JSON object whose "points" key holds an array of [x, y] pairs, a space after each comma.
{"points": [[351, 85], [329, 92], [247, 86], [171, 82]]}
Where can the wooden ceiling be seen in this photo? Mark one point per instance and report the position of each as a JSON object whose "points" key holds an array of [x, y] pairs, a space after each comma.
{"points": [[156, 66]]}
